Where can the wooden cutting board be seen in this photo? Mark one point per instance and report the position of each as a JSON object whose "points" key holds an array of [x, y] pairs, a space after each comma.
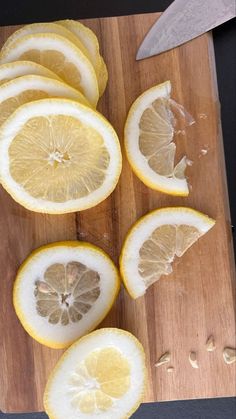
{"points": [[179, 312]]}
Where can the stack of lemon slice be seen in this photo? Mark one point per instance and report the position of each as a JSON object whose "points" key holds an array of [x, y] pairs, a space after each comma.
{"points": [[56, 155], [67, 48]]}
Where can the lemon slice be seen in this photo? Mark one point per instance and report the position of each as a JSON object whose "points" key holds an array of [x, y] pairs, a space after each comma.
{"points": [[101, 375], [153, 243], [45, 27], [50, 27], [29, 88], [63, 290], [148, 142], [58, 156], [58, 55], [88, 38], [15, 69]]}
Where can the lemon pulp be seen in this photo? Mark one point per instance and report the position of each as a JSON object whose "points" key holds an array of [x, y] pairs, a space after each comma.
{"points": [[149, 134], [158, 252], [155, 241], [57, 158], [66, 292], [56, 62], [8, 106], [104, 375]]}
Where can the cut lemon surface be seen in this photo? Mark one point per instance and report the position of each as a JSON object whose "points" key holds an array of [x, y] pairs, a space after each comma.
{"points": [[102, 375], [88, 38], [59, 55], [29, 88], [153, 243], [58, 156], [45, 27], [15, 69], [63, 290], [149, 142]]}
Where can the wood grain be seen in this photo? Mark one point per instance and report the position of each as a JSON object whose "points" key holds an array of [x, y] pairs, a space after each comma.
{"points": [[179, 312]]}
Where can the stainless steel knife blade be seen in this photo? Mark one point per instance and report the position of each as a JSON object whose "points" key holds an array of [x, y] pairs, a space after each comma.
{"points": [[183, 21]]}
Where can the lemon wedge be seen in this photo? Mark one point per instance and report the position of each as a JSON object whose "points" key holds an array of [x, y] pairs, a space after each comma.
{"points": [[58, 156], [15, 69], [63, 290], [102, 375], [149, 142], [153, 243], [59, 55]]}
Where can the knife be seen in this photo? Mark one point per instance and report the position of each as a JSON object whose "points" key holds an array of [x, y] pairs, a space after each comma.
{"points": [[183, 21]]}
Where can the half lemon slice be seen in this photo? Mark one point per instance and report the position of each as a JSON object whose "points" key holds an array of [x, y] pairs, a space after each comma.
{"points": [[149, 142], [153, 243], [63, 290], [58, 156], [102, 375]]}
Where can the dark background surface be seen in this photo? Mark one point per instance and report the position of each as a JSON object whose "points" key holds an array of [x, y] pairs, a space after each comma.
{"points": [[194, 409], [19, 12]]}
